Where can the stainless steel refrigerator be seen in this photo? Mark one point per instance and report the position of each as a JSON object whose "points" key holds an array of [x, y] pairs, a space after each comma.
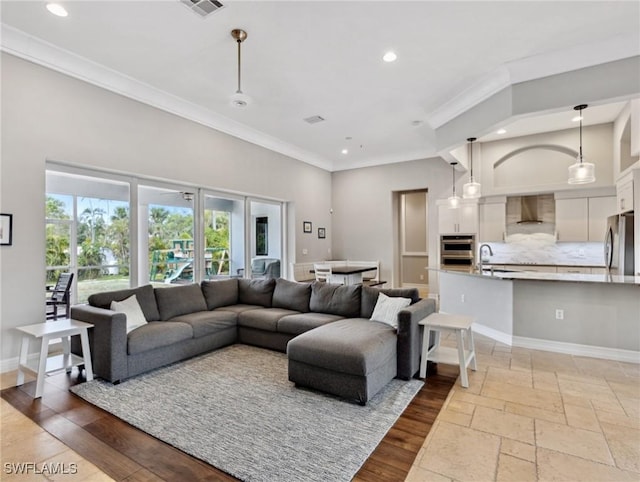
{"points": [[618, 244]]}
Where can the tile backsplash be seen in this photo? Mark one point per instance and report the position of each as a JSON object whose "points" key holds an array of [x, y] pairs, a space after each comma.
{"points": [[542, 249]]}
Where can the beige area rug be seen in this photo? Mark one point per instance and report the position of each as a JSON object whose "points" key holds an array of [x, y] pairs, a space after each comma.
{"points": [[236, 410]]}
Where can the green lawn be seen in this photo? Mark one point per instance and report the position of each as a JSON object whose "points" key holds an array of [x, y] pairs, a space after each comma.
{"points": [[87, 287]]}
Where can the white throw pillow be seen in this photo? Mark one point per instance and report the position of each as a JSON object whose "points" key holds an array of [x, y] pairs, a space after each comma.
{"points": [[388, 307], [131, 308]]}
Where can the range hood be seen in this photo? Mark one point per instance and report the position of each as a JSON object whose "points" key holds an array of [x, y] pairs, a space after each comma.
{"points": [[529, 210], [531, 214]]}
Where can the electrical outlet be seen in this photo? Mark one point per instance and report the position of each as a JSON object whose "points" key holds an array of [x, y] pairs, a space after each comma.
{"points": [[304, 251], [462, 298], [559, 314], [421, 277]]}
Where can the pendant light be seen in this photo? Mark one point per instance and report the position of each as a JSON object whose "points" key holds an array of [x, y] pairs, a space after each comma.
{"points": [[239, 99], [581, 172], [453, 201], [471, 190]]}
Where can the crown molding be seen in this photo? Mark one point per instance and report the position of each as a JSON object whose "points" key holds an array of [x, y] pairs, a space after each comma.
{"points": [[33, 49], [536, 67]]}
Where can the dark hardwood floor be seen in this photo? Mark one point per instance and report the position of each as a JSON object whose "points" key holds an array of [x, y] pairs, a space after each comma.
{"points": [[128, 454]]}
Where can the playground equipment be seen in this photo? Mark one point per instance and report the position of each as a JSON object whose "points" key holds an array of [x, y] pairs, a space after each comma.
{"points": [[176, 265]]}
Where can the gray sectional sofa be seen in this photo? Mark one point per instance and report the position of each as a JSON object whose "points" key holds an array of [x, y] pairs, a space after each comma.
{"points": [[187, 320]]}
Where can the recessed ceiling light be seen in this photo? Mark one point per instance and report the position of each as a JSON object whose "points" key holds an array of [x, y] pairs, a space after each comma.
{"points": [[416, 123], [345, 151], [501, 131], [389, 56], [576, 118], [57, 9]]}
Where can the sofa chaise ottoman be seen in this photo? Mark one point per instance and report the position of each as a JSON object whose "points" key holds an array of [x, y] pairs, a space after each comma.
{"points": [[352, 359]]}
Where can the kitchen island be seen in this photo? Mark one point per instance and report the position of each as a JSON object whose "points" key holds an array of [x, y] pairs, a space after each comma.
{"points": [[583, 314]]}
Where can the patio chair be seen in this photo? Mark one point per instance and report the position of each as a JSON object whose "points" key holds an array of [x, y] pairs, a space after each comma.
{"points": [[60, 298]]}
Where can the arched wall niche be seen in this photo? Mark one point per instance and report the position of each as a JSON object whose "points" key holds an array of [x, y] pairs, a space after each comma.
{"points": [[546, 163]]}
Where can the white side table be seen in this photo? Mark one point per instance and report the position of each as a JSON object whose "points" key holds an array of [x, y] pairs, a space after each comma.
{"points": [[63, 329], [463, 356]]}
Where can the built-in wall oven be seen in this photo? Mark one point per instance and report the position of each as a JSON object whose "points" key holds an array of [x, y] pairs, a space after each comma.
{"points": [[457, 252]]}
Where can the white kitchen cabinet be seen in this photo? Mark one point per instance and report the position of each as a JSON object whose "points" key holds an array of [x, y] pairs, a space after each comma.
{"points": [[461, 220], [572, 219], [624, 189], [493, 221], [600, 208]]}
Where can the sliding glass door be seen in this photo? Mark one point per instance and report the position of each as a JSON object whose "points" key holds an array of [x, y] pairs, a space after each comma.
{"points": [[87, 232], [115, 231], [265, 239], [166, 218], [223, 236]]}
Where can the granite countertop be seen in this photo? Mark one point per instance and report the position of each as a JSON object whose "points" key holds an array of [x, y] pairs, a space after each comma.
{"points": [[541, 276], [528, 263]]}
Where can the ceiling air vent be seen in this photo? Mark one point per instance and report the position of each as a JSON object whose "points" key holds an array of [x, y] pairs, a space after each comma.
{"points": [[202, 7], [314, 119]]}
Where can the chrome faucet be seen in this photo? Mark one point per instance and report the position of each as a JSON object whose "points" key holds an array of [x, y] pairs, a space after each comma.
{"points": [[482, 246]]}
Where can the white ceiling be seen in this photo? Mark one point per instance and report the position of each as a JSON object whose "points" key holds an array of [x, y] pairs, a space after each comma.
{"points": [[308, 58]]}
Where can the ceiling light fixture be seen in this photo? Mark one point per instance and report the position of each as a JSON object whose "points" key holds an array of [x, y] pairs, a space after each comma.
{"points": [[501, 131], [576, 118], [239, 99], [57, 9], [345, 151], [389, 56], [453, 201], [471, 190], [581, 172]]}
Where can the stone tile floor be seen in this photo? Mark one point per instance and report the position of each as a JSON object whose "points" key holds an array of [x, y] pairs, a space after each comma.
{"points": [[536, 415], [527, 415]]}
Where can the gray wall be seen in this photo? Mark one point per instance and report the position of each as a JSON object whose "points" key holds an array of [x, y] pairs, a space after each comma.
{"points": [[597, 314], [365, 224], [49, 116]]}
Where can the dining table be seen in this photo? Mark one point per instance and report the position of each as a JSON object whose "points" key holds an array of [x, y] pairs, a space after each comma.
{"points": [[349, 275]]}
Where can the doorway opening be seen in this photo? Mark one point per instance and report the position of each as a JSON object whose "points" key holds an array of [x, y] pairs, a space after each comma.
{"points": [[413, 239]]}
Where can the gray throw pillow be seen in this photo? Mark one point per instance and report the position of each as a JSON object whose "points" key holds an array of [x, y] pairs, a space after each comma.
{"points": [[256, 291], [144, 295], [370, 297], [335, 299], [219, 293], [292, 295], [179, 300]]}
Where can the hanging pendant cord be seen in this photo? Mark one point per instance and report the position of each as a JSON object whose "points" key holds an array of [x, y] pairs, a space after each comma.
{"points": [[239, 91], [453, 179], [471, 160], [580, 137]]}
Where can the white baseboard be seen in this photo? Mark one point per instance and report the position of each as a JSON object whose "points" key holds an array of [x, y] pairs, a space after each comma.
{"points": [[616, 354], [10, 364], [493, 334]]}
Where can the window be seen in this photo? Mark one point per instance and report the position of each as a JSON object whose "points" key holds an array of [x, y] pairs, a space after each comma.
{"points": [[87, 232], [223, 236], [181, 234], [168, 215]]}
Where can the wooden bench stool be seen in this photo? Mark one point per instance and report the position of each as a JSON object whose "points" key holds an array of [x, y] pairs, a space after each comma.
{"points": [[463, 356]]}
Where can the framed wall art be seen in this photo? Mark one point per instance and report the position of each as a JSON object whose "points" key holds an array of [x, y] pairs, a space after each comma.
{"points": [[307, 227], [322, 233], [6, 229]]}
